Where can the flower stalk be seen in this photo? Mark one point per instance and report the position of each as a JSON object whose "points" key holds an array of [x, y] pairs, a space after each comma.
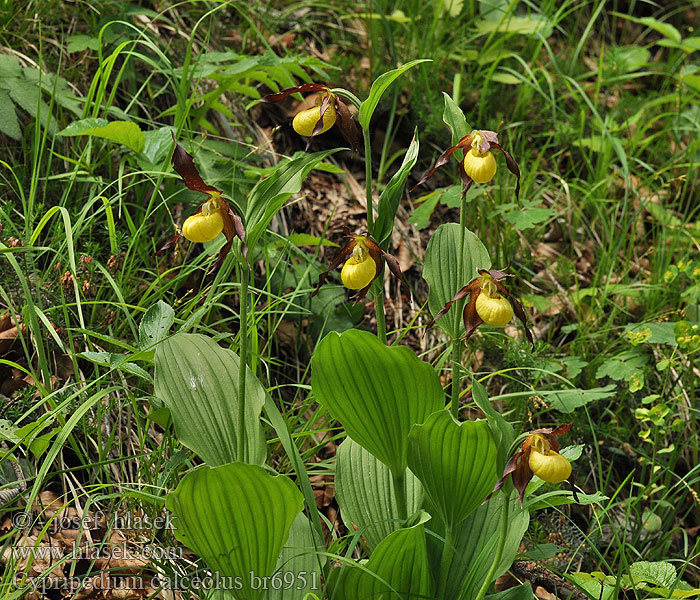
{"points": [[243, 360]]}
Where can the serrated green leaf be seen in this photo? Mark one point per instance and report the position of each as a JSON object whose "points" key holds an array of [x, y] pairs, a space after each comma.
{"points": [[567, 401], [622, 366], [365, 493], [440, 270], [377, 392], [380, 86], [123, 132], [455, 462], [198, 381], [237, 518]]}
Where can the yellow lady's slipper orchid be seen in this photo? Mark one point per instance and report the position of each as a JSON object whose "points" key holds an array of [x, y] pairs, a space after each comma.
{"points": [[492, 307], [479, 164], [538, 455], [329, 110], [547, 464], [364, 262], [214, 216], [359, 270], [489, 302], [205, 225], [305, 122]]}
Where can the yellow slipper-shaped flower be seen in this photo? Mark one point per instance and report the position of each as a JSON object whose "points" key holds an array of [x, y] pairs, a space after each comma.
{"points": [[202, 228]]}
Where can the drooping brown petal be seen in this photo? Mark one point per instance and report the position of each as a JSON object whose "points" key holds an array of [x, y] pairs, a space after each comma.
{"points": [[325, 105], [281, 95], [520, 313], [463, 143], [346, 124], [183, 163], [471, 318], [395, 269], [522, 476], [513, 168], [233, 227], [169, 244], [342, 254], [460, 295], [511, 465], [466, 180]]}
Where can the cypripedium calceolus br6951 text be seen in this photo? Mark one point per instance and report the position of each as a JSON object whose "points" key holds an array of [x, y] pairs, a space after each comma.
{"points": [[479, 163], [329, 110], [538, 455], [489, 302], [365, 260], [214, 216]]}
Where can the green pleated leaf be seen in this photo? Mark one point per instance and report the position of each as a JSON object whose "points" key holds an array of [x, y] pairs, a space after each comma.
{"points": [[237, 518], [454, 118], [271, 193], [390, 197], [455, 462], [377, 392], [299, 566], [365, 493], [380, 86], [198, 381], [476, 540], [398, 569], [123, 132], [440, 270]]}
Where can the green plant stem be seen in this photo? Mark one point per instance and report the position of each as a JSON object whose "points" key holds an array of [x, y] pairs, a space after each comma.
{"points": [[378, 285], [243, 360], [457, 342], [399, 482], [499, 550], [448, 552]]}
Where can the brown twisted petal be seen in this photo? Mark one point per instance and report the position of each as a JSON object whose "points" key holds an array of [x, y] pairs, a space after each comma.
{"points": [[183, 163], [347, 124], [375, 255], [282, 94], [513, 168], [471, 318], [463, 143], [342, 254], [462, 293]]}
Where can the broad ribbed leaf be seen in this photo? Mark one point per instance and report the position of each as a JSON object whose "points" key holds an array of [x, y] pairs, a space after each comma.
{"points": [[237, 518], [299, 566], [476, 540], [397, 569], [377, 392], [389, 199], [440, 270], [365, 493], [198, 381], [270, 194], [379, 86], [455, 462]]}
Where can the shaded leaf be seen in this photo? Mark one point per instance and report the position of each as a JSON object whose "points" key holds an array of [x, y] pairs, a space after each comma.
{"points": [[123, 132]]}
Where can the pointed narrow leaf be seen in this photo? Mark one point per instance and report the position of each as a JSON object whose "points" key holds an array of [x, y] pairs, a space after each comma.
{"points": [[397, 569], [454, 118], [198, 382], [366, 496], [380, 86], [440, 270], [455, 462], [237, 518], [391, 196], [377, 392]]}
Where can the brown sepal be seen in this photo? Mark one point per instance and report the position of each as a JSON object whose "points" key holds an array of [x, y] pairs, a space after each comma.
{"points": [[233, 228], [169, 243], [347, 124], [511, 465], [471, 318], [281, 95], [183, 163], [522, 476], [342, 254], [466, 180], [520, 313], [461, 294], [513, 168], [375, 254], [463, 143], [325, 105]]}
